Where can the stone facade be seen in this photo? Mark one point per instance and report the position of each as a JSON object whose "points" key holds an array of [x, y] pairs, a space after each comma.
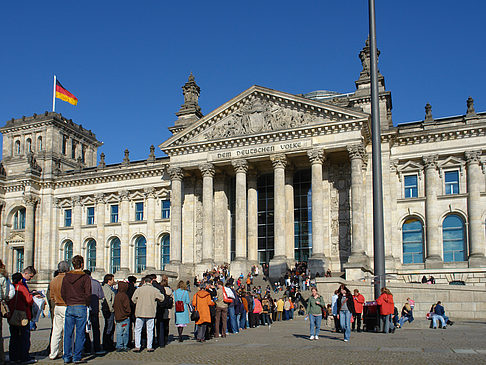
{"points": [[237, 180]]}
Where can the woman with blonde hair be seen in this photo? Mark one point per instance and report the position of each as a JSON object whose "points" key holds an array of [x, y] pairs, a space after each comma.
{"points": [[181, 307]]}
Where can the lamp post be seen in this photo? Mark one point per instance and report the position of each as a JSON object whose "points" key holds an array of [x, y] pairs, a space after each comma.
{"points": [[378, 229]]}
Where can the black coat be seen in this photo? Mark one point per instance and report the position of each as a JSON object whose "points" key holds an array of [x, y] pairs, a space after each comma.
{"points": [[349, 302]]}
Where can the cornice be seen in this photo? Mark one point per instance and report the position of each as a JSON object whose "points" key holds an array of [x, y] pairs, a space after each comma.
{"points": [[439, 136]]}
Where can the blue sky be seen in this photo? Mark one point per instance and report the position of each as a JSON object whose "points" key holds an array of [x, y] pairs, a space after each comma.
{"points": [[127, 60]]}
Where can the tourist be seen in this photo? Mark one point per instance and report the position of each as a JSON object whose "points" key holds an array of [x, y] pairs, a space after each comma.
{"points": [[122, 310], [145, 299], [315, 303], [59, 308], [387, 307], [132, 280], [265, 317], [286, 313], [440, 312], [358, 308], [163, 310], [182, 301], [407, 314], [244, 315], [337, 326], [280, 309], [76, 292], [221, 311], [232, 324], [97, 294], [108, 312], [19, 344], [345, 309], [201, 302], [257, 310]]}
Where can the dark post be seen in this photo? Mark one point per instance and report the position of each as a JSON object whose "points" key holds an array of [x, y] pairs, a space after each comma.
{"points": [[378, 231]]}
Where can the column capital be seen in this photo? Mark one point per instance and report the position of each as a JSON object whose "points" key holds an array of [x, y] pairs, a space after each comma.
{"points": [[176, 173], [473, 157], [31, 200], [100, 198], [207, 169], [149, 192], [76, 200], [430, 161], [279, 160], [316, 155], [356, 151], [240, 165], [124, 194]]}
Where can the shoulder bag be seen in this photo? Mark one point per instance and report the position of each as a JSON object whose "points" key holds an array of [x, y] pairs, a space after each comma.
{"points": [[226, 299], [195, 313], [179, 305], [18, 317]]}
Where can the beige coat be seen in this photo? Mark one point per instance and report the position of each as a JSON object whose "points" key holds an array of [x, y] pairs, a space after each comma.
{"points": [[145, 299]]}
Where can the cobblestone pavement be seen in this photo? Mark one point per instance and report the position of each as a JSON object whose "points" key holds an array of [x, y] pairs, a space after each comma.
{"points": [[288, 343]]}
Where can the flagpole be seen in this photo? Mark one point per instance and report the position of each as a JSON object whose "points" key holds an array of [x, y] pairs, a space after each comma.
{"points": [[54, 96]]}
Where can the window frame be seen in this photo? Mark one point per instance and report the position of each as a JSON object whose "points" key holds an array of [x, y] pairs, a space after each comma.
{"points": [[411, 188], [410, 220], [139, 214], [90, 259], [165, 210], [113, 215], [70, 210], [90, 218], [140, 266], [450, 241], [114, 268], [452, 184], [19, 220]]}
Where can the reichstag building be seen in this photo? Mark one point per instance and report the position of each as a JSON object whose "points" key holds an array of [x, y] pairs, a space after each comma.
{"points": [[267, 177]]}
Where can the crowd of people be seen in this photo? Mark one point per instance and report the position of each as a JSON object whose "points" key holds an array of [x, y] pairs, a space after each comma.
{"points": [[139, 315]]}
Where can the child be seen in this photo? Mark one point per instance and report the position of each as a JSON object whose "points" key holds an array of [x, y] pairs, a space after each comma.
{"points": [[121, 305]]}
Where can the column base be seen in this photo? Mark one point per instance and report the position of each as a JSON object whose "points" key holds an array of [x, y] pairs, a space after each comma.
{"points": [[434, 262], [477, 260], [174, 266], [239, 266], [277, 268], [317, 266], [358, 259]]}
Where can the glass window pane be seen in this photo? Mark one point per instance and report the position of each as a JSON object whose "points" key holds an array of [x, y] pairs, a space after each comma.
{"points": [[453, 237], [413, 241]]}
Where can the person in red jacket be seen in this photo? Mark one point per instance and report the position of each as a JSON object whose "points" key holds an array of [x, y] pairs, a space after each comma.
{"points": [[358, 308], [20, 336], [387, 307]]}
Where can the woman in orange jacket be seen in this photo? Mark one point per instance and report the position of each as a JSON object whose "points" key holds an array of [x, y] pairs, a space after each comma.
{"points": [[201, 302], [387, 307]]}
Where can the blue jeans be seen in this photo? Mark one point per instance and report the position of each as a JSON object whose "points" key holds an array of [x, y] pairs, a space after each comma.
{"points": [[315, 324], [436, 317], [232, 319], [291, 313], [122, 329], [75, 320], [345, 321], [386, 323], [404, 319], [244, 320]]}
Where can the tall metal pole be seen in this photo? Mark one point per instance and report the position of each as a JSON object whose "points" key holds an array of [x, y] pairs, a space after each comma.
{"points": [[378, 229], [54, 95]]}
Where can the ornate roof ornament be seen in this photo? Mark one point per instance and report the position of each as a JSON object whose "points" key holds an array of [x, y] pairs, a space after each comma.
{"points": [[365, 57], [470, 107], [190, 111], [151, 157], [126, 159], [428, 113], [102, 164]]}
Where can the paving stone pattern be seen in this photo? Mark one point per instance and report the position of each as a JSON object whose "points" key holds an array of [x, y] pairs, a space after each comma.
{"points": [[288, 343]]}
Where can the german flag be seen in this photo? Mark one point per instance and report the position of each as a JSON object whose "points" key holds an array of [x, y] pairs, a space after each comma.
{"points": [[63, 94]]}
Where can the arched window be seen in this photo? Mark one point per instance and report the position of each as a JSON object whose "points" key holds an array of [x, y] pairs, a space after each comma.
{"points": [[413, 241], [19, 219], [28, 143], [115, 255], [68, 252], [91, 255], [165, 251], [17, 147], [454, 238], [39, 143], [140, 254]]}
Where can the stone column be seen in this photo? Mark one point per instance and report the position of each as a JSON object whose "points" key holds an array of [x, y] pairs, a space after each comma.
{"points": [[151, 244], [176, 176], [358, 257], [432, 184], [252, 218], [474, 208], [100, 230], [289, 216], [239, 264], [207, 170], [278, 265], [124, 223], [77, 215], [317, 262], [30, 203]]}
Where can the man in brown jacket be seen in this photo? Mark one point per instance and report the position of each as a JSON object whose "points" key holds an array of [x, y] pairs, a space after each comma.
{"points": [[59, 309], [122, 308], [76, 292]]}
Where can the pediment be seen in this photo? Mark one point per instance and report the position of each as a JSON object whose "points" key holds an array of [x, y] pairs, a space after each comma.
{"points": [[137, 195], [451, 161], [88, 200], [258, 111], [410, 166], [163, 193], [112, 198]]}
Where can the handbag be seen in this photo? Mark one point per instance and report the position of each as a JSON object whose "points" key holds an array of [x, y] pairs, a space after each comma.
{"points": [[18, 317], [5, 309], [226, 299], [195, 313], [179, 306]]}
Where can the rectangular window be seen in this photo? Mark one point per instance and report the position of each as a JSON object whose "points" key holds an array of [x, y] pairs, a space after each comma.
{"points": [[64, 145], [73, 149], [19, 253], [139, 211], [90, 215], [165, 209], [451, 182], [411, 189], [67, 217], [114, 213]]}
